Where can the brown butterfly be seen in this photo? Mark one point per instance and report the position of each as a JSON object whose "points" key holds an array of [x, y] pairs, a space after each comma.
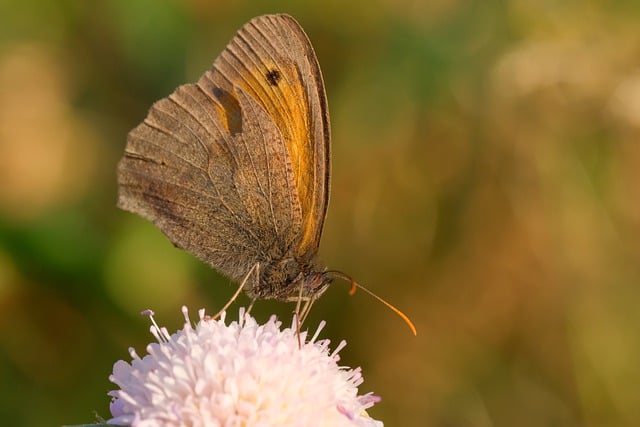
{"points": [[235, 168]]}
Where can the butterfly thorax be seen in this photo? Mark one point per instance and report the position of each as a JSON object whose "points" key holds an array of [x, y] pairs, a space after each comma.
{"points": [[289, 280]]}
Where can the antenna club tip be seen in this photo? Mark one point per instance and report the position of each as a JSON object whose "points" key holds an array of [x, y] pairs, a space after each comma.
{"points": [[409, 323]]}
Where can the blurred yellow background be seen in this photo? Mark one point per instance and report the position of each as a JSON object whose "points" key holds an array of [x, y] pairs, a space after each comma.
{"points": [[486, 180]]}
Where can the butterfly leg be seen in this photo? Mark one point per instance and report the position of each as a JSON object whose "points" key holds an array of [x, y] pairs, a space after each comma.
{"points": [[301, 312], [253, 300], [256, 268], [306, 309], [301, 316], [297, 316], [298, 304]]}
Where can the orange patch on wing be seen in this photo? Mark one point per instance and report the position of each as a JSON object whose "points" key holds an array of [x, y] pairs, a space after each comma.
{"points": [[280, 92]]}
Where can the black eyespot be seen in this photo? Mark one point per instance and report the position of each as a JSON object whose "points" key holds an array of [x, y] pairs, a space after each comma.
{"points": [[273, 77]]}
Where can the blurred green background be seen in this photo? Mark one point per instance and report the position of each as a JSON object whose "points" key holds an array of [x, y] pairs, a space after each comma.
{"points": [[486, 181]]}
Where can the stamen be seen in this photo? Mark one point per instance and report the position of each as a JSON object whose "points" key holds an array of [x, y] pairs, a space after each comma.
{"points": [[161, 335]]}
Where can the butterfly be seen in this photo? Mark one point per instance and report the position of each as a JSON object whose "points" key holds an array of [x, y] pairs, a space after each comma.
{"points": [[235, 168]]}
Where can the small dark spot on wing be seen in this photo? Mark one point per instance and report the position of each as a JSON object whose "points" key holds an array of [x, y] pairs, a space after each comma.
{"points": [[273, 77]]}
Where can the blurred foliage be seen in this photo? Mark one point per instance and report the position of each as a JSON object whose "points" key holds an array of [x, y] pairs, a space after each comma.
{"points": [[486, 168]]}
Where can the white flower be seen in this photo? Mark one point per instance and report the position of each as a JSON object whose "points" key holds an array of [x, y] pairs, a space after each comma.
{"points": [[242, 374]]}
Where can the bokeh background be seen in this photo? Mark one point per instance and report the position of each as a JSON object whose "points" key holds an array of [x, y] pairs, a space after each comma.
{"points": [[486, 181]]}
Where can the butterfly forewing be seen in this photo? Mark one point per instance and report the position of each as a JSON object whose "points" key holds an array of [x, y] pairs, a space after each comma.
{"points": [[272, 59], [235, 168]]}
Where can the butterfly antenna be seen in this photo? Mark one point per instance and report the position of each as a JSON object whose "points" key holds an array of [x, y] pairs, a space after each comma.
{"points": [[354, 286]]}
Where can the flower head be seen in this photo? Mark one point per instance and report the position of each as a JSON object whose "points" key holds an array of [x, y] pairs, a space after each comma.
{"points": [[238, 374]]}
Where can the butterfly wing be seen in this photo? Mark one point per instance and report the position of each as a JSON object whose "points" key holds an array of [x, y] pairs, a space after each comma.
{"points": [[235, 168], [276, 47]]}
